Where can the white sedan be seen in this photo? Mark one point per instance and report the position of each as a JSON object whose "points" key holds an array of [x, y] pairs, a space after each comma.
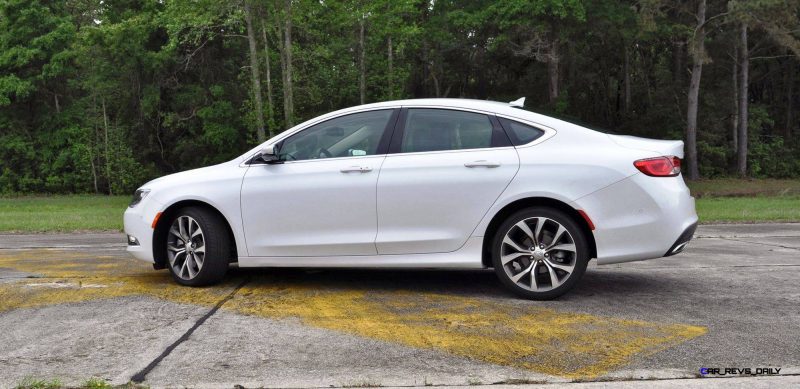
{"points": [[429, 183]]}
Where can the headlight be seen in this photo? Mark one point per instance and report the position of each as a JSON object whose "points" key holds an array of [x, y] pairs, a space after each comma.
{"points": [[138, 196]]}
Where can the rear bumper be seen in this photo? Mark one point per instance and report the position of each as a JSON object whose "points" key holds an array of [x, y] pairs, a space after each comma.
{"points": [[640, 217], [682, 241]]}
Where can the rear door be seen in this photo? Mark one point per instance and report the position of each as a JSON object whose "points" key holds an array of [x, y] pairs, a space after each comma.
{"points": [[444, 170]]}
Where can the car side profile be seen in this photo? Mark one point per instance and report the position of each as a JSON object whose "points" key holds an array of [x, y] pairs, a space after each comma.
{"points": [[425, 183]]}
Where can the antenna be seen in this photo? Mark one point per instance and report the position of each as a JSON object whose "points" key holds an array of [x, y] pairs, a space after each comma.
{"points": [[519, 103]]}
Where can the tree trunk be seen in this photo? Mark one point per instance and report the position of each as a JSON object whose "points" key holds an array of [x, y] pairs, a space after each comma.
{"points": [[282, 57], [288, 103], [789, 82], [744, 69], [390, 76], [627, 78], [552, 71], [90, 148], [255, 73], [677, 63], [270, 110], [735, 100], [697, 54], [94, 173], [436, 87], [108, 154], [362, 76]]}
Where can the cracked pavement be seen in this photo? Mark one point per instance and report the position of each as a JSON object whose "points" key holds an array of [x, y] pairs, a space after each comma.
{"points": [[75, 306]]}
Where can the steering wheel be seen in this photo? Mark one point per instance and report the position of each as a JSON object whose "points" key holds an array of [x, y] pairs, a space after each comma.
{"points": [[323, 152]]}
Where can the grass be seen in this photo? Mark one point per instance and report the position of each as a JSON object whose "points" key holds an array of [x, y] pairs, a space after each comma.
{"points": [[718, 201], [96, 383], [62, 213], [734, 187], [34, 383], [92, 383], [748, 209], [731, 200]]}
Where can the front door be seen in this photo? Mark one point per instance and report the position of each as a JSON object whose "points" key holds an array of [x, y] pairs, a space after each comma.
{"points": [[321, 201]]}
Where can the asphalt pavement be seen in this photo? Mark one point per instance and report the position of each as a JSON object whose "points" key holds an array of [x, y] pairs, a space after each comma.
{"points": [[76, 306]]}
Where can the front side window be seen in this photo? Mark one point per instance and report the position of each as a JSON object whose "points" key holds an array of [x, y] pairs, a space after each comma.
{"points": [[441, 129], [352, 135]]}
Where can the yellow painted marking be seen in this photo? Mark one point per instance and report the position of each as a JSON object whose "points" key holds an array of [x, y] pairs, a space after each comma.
{"points": [[567, 344]]}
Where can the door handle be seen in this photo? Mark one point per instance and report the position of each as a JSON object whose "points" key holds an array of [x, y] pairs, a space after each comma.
{"points": [[356, 169], [482, 163]]}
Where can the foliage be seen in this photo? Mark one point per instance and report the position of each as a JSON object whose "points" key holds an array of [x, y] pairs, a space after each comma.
{"points": [[103, 96]]}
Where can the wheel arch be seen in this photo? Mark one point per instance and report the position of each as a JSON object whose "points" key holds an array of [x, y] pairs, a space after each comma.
{"points": [[163, 224], [509, 209]]}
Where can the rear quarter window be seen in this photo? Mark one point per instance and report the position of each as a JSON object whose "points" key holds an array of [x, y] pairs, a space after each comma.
{"points": [[519, 133]]}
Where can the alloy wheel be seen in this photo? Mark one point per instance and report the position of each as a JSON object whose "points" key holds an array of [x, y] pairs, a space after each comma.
{"points": [[186, 249], [538, 254]]}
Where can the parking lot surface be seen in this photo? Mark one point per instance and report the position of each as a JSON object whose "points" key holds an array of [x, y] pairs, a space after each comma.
{"points": [[76, 306]]}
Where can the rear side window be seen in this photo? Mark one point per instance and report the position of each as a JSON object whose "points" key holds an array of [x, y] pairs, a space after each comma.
{"points": [[441, 129], [519, 133]]}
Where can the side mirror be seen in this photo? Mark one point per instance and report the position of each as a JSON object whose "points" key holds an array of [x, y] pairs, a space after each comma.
{"points": [[269, 155]]}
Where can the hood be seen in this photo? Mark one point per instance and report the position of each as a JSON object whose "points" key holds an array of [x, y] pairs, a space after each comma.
{"points": [[187, 176]]}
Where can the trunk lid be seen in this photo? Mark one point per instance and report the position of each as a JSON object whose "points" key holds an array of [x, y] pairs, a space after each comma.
{"points": [[662, 147]]}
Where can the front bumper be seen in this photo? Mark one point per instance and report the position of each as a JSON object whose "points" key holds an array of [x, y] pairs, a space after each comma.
{"points": [[138, 221]]}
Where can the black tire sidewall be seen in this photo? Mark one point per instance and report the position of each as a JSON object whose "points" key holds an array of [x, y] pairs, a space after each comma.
{"points": [[215, 263], [572, 227]]}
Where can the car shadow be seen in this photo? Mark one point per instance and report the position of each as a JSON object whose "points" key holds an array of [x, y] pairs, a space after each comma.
{"points": [[473, 283]]}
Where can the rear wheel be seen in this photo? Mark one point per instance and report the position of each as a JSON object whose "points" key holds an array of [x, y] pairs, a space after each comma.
{"points": [[540, 253], [197, 247]]}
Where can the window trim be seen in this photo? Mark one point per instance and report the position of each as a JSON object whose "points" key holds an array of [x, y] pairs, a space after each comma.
{"points": [[499, 137], [383, 143]]}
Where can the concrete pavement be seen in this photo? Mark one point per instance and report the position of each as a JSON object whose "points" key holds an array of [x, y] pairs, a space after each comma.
{"points": [[76, 306]]}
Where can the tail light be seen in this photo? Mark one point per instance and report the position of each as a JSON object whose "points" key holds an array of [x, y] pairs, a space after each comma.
{"points": [[666, 166]]}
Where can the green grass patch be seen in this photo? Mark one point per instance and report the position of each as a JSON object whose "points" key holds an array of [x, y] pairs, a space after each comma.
{"points": [[34, 383], [62, 213], [92, 383], [748, 209], [735, 187], [733, 200], [96, 383]]}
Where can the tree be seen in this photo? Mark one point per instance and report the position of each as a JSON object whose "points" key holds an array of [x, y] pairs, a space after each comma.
{"points": [[270, 103], [697, 51], [780, 26], [543, 40], [284, 22], [743, 65], [254, 71], [115, 93]]}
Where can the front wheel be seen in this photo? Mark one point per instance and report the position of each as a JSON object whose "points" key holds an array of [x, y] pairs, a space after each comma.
{"points": [[197, 247], [540, 253]]}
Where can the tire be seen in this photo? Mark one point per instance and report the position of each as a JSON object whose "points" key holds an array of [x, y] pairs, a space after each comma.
{"points": [[208, 250], [514, 245]]}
